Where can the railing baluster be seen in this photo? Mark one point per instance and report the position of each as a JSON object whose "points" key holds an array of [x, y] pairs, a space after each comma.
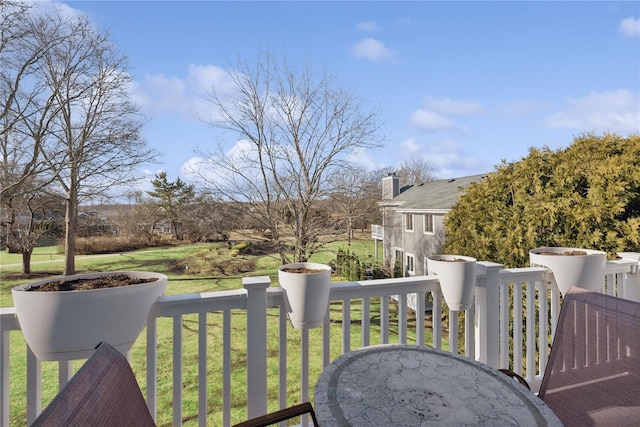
{"points": [[346, 326], [34, 387], [4, 377], [177, 370], [366, 321], [326, 339], [304, 370], [152, 364], [202, 369], [420, 311], [469, 332], [384, 320], [402, 321], [453, 332], [436, 319], [530, 332], [517, 328], [226, 367], [543, 326], [65, 372]]}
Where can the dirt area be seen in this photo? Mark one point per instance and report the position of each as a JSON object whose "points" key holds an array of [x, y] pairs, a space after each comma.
{"points": [[303, 270], [565, 253], [114, 281]]}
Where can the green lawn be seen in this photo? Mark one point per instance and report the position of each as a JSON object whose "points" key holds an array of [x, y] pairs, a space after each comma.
{"points": [[159, 260]]}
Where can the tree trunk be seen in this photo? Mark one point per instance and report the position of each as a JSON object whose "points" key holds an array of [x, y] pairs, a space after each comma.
{"points": [[26, 261], [71, 220]]}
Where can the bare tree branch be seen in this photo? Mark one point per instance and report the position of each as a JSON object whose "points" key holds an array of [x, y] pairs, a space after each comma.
{"points": [[293, 132]]}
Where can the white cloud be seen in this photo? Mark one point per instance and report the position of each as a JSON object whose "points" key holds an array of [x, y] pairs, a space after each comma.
{"points": [[368, 26], [410, 145], [221, 168], [44, 7], [365, 158], [185, 96], [617, 111], [431, 121], [436, 116], [630, 27], [193, 168], [452, 107], [447, 157], [372, 49]]}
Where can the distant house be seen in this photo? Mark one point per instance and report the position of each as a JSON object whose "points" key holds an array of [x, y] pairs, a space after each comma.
{"points": [[413, 219]]}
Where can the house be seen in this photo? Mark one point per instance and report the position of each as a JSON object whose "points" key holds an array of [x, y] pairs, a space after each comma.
{"points": [[413, 219]]}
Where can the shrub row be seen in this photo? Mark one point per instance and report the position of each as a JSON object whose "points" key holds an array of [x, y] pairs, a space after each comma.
{"points": [[115, 244], [350, 267]]}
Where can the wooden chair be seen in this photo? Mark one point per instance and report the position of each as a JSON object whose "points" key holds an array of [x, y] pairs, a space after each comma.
{"points": [[104, 392], [281, 415], [592, 377]]}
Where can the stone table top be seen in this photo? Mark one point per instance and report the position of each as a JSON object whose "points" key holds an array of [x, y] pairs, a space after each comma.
{"points": [[405, 385]]}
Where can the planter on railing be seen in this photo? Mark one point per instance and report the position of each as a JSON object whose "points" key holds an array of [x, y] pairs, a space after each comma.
{"points": [[69, 324], [457, 275], [583, 268], [306, 287]]}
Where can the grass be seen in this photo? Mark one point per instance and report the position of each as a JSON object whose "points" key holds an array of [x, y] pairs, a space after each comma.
{"points": [[161, 260]]}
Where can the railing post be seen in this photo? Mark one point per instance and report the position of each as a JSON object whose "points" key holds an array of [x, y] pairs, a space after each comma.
{"points": [[256, 344], [632, 279], [8, 323], [488, 315]]}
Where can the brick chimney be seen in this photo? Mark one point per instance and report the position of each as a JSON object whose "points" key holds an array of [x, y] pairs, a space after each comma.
{"points": [[390, 186]]}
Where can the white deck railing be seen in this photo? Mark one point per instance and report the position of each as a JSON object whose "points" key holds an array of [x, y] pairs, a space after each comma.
{"points": [[504, 297]]}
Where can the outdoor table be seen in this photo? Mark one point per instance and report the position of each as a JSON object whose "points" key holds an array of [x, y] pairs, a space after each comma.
{"points": [[405, 385]]}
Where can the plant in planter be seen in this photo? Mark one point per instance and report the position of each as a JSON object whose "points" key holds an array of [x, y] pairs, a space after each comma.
{"points": [[457, 276], [65, 318], [306, 287], [583, 268]]}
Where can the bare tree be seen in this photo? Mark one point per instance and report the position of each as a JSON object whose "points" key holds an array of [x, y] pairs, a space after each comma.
{"points": [[354, 194], [97, 133], [415, 171], [293, 131], [27, 106], [208, 220], [28, 217]]}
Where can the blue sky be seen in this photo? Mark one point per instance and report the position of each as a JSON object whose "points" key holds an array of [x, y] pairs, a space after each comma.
{"points": [[461, 84]]}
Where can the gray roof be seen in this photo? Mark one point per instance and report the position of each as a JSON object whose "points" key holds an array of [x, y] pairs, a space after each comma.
{"points": [[434, 195]]}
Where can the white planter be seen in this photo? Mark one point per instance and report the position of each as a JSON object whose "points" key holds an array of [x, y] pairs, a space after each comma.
{"points": [[306, 294], [584, 271], [67, 325], [457, 276]]}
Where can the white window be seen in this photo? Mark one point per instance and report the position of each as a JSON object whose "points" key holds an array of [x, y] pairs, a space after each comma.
{"points": [[411, 266], [408, 225], [429, 227]]}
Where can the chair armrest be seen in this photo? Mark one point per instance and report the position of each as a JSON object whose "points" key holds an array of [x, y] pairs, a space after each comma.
{"points": [[281, 415], [512, 374]]}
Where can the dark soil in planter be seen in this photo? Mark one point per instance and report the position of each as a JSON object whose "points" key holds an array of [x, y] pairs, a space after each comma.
{"points": [[565, 253], [453, 260], [114, 281], [303, 270]]}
